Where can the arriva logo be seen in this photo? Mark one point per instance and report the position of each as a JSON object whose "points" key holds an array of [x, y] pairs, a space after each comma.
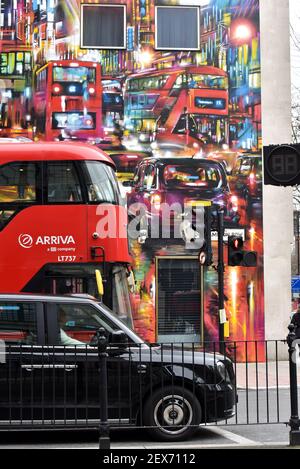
{"points": [[26, 241]]}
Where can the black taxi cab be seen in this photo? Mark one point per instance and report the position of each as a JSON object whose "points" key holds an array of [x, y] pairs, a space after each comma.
{"points": [[49, 372]]}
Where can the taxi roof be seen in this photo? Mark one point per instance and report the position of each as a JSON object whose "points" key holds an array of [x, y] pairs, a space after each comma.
{"points": [[57, 151]]}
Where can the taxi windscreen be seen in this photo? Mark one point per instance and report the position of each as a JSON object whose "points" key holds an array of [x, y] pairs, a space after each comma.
{"points": [[179, 176]]}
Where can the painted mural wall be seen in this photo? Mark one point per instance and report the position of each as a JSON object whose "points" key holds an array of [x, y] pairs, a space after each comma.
{"points": [[204, 105]]}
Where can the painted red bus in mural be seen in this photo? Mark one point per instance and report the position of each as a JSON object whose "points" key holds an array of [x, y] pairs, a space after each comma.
{"points": [[53, 197], [68, 100], [180, 104], [112, 102]]}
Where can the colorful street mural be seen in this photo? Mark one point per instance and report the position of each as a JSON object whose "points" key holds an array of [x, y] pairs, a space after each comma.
{"points": [[136, 103]]}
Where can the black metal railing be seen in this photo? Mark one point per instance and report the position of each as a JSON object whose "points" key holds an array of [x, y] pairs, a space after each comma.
{"points": [[167, 389]]}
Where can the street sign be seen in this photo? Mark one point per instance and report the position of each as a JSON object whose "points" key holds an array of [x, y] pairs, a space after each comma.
{"points": [[295, 285], [239, 232]]}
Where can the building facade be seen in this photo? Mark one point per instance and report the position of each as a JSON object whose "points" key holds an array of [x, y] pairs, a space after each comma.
{"points": [[212, 110]]}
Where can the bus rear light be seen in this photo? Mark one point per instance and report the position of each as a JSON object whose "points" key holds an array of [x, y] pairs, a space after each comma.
{"points": [[92, 90], [155, 200], [56, 88]]}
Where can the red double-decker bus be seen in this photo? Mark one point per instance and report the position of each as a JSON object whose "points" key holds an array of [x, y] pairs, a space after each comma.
{"points": [[68, 100], [56, 202], [185, 104], [112, 101]]}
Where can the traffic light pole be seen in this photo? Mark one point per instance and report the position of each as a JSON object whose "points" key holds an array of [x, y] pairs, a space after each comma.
{"points": [[221, 270]]}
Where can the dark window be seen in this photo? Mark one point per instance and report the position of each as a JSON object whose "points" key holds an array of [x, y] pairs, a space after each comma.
{"points": [[177, 28], [63, 183], [100, 182], [18, 183], [18, 322], [103, 26], [179, 313]]}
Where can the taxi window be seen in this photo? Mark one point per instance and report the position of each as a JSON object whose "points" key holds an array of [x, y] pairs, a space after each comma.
{"points": [[181, 176], [18, 323], [149, 180], [18, 183], [78, 324]]}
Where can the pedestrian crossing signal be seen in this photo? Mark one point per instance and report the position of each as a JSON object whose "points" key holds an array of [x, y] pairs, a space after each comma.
{"points": [[282, 165]]}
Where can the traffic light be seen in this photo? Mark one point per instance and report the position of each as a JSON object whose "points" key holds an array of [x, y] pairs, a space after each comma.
{"points": [[195, 230], [205, 252], [237, 256], [282, 165]]}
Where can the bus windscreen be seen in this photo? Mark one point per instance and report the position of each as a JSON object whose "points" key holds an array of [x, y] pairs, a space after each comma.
{"points": [[74, 74]]}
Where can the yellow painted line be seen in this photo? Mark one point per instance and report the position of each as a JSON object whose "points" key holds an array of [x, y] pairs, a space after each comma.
{"points": [[199, 203], [124, 175]]}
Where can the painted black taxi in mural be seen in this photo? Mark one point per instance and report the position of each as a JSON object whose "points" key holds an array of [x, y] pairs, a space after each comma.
{"points": [[180, 182]]}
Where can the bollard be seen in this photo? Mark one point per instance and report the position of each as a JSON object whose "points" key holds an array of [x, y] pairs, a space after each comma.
{"points": [[104, 439], [294, 420]]}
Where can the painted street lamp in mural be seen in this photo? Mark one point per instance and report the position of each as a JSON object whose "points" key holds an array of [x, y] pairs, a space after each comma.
{"points": [[144, 58], [242, 31]]}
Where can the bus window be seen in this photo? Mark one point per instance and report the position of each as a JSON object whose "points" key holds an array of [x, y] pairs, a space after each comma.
{"points": [[207, 81], [18, 183], [100, 182], [74, 74], [63, 183], [147, 83], [183, 122]]}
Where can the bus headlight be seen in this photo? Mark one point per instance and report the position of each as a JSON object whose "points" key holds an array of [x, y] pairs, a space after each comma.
{"points": [[56, 88]]}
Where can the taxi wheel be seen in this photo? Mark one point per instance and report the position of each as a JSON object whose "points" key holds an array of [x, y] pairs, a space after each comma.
{"points": [[172, 414]]}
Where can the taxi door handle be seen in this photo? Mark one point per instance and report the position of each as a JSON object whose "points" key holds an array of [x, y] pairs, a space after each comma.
{"points": [[141, 369], [47, 366]]}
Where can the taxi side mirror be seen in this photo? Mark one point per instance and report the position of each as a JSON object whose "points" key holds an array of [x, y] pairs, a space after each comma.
{"points": [[119, 339]]}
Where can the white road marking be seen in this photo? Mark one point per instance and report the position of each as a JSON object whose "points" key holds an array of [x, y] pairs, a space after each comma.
{"points": [[241, 440]]}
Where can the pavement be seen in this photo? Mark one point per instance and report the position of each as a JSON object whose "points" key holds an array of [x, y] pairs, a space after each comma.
{"points": [[263, 436], [263, 375]]}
